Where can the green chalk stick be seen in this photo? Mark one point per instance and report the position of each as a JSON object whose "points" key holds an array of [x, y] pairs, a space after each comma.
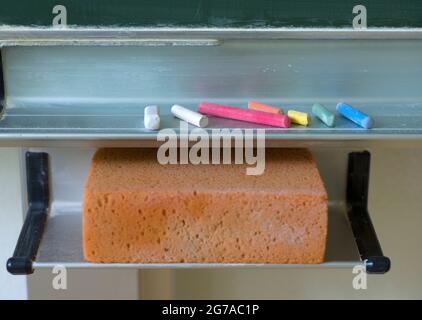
{"points": [[323, 114]]}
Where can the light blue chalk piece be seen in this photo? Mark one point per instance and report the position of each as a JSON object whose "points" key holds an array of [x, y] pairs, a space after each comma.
{"points": [[355, 115]]}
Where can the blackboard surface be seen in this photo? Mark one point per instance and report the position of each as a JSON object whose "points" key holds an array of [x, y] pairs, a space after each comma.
{"points": [[213, 13]]}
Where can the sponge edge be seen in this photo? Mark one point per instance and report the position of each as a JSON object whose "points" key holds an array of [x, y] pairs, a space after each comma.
{"points": [[135, 210]]}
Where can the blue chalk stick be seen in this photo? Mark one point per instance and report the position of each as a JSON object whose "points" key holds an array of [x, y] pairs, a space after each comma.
{"points": [[355, 115]]}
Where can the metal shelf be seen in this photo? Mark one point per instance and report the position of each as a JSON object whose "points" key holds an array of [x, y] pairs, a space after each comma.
{"points": [[94, 96], [348, 244], [103, 126], [62, 244]]}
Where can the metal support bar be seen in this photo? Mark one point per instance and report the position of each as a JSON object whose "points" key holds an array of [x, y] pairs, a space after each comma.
{"points": [[357, 209], [38, 204]]}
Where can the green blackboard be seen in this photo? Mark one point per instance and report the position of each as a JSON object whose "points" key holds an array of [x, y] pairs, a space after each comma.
{"points": [[213, 13]]}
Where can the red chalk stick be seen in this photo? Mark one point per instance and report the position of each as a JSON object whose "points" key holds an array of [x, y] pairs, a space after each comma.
{"points": [[248, 115]]}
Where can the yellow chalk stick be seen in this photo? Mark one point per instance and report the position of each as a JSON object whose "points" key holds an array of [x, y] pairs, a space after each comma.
{"points": [[298, 117]]}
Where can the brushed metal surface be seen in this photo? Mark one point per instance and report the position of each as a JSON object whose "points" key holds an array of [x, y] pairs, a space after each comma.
{"points": [[62, 245], [88, 95]]}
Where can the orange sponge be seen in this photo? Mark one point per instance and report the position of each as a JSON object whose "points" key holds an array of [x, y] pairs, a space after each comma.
{"points": [[136, 210]]}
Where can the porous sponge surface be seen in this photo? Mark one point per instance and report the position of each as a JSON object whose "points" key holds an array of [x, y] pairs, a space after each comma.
{"points": [[136, 210]]}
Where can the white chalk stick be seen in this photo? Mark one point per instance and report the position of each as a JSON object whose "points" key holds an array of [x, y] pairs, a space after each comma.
{"points": [[189, 116], [152, 117]]}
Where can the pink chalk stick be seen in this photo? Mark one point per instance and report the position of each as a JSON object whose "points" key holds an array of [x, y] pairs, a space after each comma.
{"points": [[248, 115]]}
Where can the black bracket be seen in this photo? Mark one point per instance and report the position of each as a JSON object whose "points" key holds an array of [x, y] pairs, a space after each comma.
{"points": [[357, 209], [37, 179]]}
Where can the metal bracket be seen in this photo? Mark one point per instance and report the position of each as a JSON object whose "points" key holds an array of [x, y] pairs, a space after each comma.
{"points": [[357, 209], [37, 178]]}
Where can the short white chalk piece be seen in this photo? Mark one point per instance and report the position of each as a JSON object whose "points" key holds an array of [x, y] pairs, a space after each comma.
{"points": [[189, 116], [152, 117]]}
